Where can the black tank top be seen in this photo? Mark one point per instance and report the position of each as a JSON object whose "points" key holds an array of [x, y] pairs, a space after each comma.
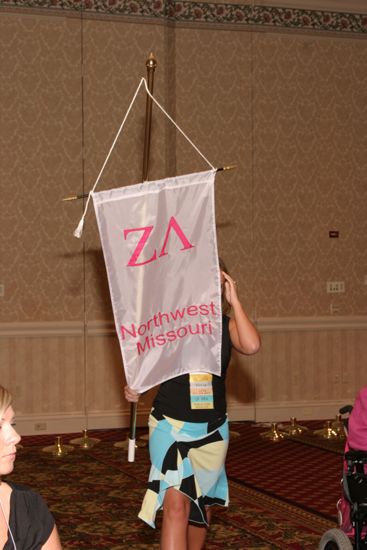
{"points": [[30, 520], [173, 397]]}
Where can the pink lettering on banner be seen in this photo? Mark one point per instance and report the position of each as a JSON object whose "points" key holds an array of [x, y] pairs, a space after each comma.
{"points": [[172, 225], [178, 314], [163, 339], [147, 338], [143, 239], [159, 319]]}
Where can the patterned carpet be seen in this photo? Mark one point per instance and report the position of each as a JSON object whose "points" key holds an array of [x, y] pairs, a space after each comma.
{"points": [[283, 494], [294, 471]]}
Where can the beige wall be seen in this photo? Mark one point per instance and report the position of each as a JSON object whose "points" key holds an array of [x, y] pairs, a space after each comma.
{"points": [[286, 104]]}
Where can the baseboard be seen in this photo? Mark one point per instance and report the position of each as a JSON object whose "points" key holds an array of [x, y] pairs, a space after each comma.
{"points": [[263, 412], [74, 423], [238, 412], [281, 412]]}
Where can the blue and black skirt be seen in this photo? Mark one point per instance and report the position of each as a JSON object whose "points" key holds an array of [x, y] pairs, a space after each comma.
{"points": [[190, 457]]}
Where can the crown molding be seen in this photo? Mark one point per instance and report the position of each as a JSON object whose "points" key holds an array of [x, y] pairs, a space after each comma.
{"points": [[341, 16], [340, 6]]}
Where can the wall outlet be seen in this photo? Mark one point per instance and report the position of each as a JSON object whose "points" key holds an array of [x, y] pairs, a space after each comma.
{"points": [[333, 309], [334, 287], [40, 426]]}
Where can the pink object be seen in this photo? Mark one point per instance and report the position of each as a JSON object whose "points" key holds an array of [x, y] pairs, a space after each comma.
{"points": [[357, 423], [357, 440], [343, 507]]}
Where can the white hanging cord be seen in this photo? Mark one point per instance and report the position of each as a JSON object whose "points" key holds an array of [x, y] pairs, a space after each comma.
{"points": [[8, 526], [79, 230], [177, 126]]}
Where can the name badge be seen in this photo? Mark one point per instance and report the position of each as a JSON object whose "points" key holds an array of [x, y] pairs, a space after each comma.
{"points": [[201, 391]]}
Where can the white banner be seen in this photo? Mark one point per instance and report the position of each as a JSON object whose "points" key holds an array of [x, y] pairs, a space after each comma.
{"points": [[160, 250]]}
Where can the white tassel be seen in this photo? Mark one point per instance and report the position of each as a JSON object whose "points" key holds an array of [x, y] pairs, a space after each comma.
{"points": [[79, 230]]}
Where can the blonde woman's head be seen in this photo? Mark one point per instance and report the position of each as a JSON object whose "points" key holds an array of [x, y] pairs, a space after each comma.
{"points": [[5, 400], [9, 438]]}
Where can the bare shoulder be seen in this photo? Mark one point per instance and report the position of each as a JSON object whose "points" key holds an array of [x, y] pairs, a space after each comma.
{"points": [[53, 542]]}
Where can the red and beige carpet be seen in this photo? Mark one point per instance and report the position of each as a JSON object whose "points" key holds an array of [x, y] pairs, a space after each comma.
{"points": [[283, 495]]}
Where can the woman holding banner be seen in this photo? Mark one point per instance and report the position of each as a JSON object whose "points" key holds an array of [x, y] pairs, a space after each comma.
{"points": [[188, 438]]}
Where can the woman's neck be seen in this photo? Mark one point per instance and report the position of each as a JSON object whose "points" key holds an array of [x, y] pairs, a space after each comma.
{"points": [[5, 488]]}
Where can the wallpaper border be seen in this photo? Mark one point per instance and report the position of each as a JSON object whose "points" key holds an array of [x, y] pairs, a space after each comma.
{"points": [[183, 12]]}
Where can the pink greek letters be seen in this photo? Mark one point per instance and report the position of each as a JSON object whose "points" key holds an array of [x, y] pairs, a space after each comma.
{"points": [[146, 235]]}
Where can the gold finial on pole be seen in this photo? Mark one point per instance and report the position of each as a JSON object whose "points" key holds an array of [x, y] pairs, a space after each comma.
{"points": [[225, 168], [74, 197], [151, 63]]}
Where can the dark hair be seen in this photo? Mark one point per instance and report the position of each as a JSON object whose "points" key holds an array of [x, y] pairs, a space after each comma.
{"points": [[226, 306]]}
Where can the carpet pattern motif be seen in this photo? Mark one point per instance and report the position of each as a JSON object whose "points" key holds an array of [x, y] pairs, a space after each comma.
{"points": [[302, 474], [95, 495]]}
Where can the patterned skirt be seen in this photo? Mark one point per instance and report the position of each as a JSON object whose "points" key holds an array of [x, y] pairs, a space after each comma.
{"points": [[190, 457]]}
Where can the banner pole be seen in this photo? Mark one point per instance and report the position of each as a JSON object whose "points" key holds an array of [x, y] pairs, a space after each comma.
{"points": [[151, 65]]}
